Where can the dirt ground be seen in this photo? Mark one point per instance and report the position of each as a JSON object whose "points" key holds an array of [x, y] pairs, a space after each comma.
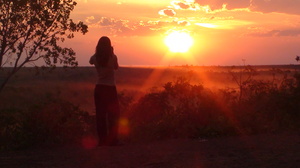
{"points": [[267, 150]]}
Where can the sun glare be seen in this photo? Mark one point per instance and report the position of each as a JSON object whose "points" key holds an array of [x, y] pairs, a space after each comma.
{"points": [[179, 41]]}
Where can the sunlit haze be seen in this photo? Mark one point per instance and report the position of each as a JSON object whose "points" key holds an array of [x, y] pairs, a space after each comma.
{"points": [[220, 32]]}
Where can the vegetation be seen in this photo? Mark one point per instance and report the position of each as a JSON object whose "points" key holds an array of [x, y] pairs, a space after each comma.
{"points": [[185, 110], [50, 120], [181, 108], [32, 30]]}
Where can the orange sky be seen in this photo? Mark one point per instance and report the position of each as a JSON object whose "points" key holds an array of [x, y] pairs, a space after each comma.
{"points": [[224, 31]]}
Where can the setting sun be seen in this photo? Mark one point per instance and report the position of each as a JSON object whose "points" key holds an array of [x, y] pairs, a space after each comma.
{"points": [[179, 41]]}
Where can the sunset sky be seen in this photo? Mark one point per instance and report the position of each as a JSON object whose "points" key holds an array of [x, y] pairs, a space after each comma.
{"points": [[224, 32]]}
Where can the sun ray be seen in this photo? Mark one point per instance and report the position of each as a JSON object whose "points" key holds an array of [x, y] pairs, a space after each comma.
{"points": [[180, 51]]}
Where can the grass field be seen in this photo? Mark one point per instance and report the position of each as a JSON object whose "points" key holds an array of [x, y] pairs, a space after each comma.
{"points": [[77, 84], [167, 102]]}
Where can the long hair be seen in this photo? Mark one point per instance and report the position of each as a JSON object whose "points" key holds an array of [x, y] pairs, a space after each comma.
{"points": [[103, 51]]}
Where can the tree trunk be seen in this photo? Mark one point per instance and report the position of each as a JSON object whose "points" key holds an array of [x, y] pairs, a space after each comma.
{"points": [[1, 57], [3, 81], [2, 49]]}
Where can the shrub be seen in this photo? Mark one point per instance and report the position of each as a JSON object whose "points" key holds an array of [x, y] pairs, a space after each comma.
{"points": [[268, 107], [184, 110], [179, 110], [49, 121]]}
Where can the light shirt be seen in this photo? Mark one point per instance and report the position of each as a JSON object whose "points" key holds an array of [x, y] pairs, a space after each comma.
{"points": [[106, 75]]}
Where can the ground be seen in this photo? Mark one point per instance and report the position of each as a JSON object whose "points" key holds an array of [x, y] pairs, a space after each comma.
{"points": [[265, 150]]}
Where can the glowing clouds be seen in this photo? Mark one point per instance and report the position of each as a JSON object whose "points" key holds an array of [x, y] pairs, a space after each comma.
{"points": [[207, 25], [218, 4], [180, 5], [167, 12], [89, 19]]}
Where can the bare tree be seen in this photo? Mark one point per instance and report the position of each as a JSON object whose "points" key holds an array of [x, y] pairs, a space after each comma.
{"points": [[32, 30], [242, 77]]}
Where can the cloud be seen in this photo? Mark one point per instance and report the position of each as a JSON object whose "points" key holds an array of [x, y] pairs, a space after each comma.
{"points": [[183, 23], [180, 5], [151, 27], [281, 6], [120, 27], [105, 21], [277, 33], [167, 12], [198, 15], [174, 23], [110, 25], [230, 4], [264, 6], [89, 19]]}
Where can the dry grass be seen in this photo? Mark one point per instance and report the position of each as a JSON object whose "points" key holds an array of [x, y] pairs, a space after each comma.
{"points": [[77, 85], [168, 102]]}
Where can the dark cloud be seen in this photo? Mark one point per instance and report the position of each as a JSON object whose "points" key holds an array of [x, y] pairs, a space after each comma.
{"points": [[167, 12]]}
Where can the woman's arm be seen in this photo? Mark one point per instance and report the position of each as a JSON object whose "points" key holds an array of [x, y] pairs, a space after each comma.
{"points": [[92, 60]]}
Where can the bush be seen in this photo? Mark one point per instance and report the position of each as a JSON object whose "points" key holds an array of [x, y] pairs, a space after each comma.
{"points": [[184, 110], [268, 107], [179, 110], [49, 121]]}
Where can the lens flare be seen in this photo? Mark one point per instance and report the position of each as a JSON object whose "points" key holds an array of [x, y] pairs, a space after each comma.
{"points": [[124, 126]]}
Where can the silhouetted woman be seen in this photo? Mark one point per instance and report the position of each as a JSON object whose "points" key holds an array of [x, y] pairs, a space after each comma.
{"points": [[105, 93]]}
